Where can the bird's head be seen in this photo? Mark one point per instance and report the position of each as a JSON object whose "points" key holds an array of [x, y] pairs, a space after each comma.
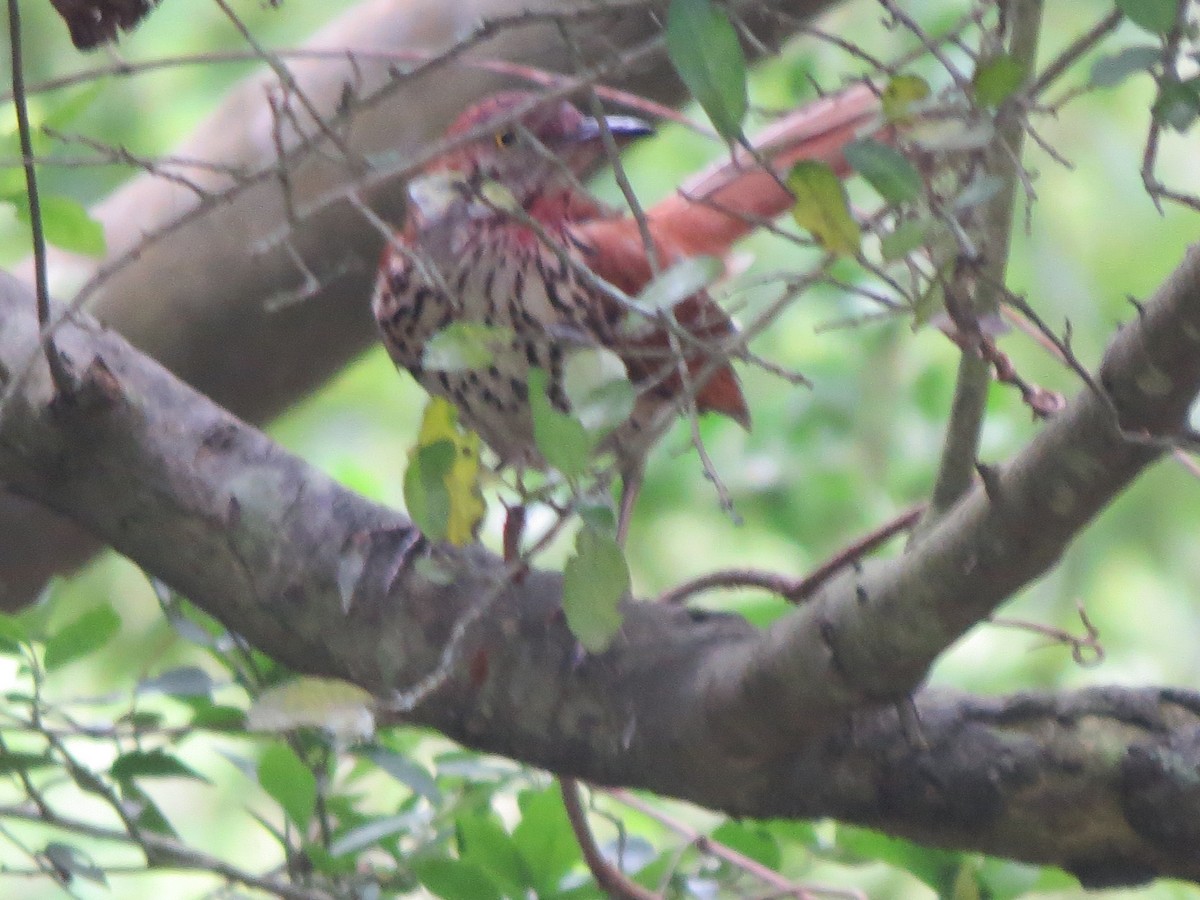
{"points": [[526, 152]]}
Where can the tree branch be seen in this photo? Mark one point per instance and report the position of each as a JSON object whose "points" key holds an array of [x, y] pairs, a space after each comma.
{"points": [[688, 704]]}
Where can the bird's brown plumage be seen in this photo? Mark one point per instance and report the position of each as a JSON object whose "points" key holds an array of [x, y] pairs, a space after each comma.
{"points": [[468, 252]]}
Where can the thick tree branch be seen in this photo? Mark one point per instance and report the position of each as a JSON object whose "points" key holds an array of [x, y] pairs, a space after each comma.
{"points": [[693, 705], [198, 300]]}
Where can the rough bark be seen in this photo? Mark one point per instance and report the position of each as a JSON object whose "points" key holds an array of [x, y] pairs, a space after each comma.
{"points": [[797, 720], [197, 299]]}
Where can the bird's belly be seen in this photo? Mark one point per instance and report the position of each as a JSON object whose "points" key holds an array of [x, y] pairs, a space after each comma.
{"points": [[492, 399], [540, 314]]}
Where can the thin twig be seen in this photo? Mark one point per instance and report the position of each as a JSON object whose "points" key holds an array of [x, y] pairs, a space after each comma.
{"points": [[168, 853], [613, 154], [726, 579], [932, 46], [608, 877], [1077, 48], [1087, 651], [531, 74], [58, 372], [792, 589], [706, 844], [851, 554], [1170, 75], [291, 87]]}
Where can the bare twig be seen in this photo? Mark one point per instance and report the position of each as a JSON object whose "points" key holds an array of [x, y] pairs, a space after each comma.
{"points": [[1086, 650], [533, 75], [1072, 53], [168, 853], [931, 45], [726, 579], [1170, 75], [290, 87], [608, 877], [705, 844], [58, 372], [792, 589], [850, 555]]}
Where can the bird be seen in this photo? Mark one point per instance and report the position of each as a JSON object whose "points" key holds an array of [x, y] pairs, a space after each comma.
{"points": [[499, 232]]}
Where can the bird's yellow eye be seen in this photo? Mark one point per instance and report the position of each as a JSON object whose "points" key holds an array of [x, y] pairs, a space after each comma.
{"points": [[505, 138]]}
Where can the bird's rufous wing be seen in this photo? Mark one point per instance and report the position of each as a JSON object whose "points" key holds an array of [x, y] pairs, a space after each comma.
{"points": [[706, 217]]}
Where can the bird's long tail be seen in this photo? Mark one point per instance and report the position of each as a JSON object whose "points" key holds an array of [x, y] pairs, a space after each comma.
{"points": [[720, 205]]}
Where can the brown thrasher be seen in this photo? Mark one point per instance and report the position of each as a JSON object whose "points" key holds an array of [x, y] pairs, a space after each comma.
{"points": [[476, 247]]}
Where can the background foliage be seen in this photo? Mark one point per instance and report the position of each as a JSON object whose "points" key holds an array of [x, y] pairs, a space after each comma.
{"points": [[820, 466]]}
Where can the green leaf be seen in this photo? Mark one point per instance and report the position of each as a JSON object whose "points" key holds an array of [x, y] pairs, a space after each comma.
{"points": [[704, 48], [151, 764], [12, 634], [474, 768], [425, 494], [680, 281], [750, 839], [794, 832], [327, 862], [12, 761], [594, 581], [441, 483], [339, 707], [1002, 879], [407, 771], [87, 780], [1109, 71], [1177, 104], [907, 237], [545, 840], [462, 346], [149, 817], [933, 300], [823, 208], [72, 863], [997, 79], [599, 515], [67, 110], [66, 224], [937, 868], [217, 717], [184, 681], [453, 879], [437, 194], [1156, 16], [598, 388], [373, 831], [981, 189], [886, 169], [562, 440], [900, 94], [87, 633], [484, 842], [289, 782]]}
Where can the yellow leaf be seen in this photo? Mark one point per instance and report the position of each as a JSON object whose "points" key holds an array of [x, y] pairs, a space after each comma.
{"points": [[900, 94], [441, 486], [822, 207]]}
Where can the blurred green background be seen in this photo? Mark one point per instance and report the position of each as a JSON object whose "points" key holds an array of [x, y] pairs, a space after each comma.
{"points": [[822, 464]]}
